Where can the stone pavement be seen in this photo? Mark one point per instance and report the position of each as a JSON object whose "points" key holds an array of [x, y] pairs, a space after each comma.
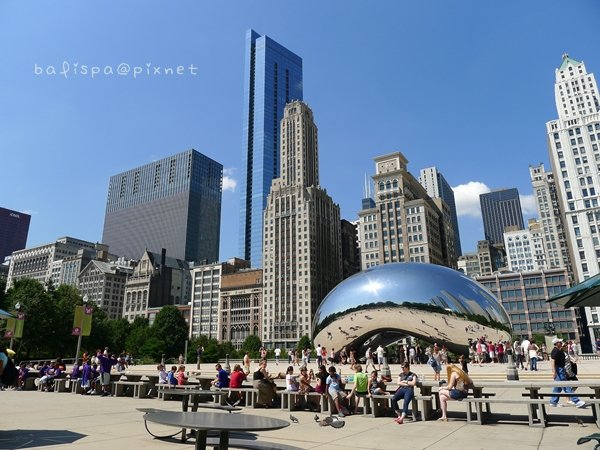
{"points": [[34, 419]]}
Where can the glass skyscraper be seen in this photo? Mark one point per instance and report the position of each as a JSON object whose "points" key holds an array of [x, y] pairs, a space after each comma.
{"points": [[14, 228], [173, 203], [500, 209], [272, 78]]}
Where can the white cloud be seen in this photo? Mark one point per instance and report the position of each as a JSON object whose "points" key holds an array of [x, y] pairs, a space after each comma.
{"points": [[528, 205], [467, 198], [31, 212], [229, 183]]}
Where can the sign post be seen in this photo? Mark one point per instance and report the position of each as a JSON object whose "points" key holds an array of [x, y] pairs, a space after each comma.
{"points": [[82, 323]]}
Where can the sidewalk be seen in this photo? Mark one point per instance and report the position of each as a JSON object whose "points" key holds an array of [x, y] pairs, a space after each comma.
{"points": [[59, 420]]}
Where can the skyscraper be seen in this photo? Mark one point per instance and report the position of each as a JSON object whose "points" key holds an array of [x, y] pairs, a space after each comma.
{"points": [[403, 223], [272, 78], [573, 141], [500, 209], [302, 242], [437, 187], [173, 203], [551, 222], [14, 228]]}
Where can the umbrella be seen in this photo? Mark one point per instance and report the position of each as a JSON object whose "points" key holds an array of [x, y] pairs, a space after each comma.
{"points": [[586, 293], [5, 314]]}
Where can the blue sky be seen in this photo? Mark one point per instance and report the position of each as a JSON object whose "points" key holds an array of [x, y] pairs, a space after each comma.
{"points": [[466, 86]]}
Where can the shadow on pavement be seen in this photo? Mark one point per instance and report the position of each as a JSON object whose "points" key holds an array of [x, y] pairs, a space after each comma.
{"points": [[15, 439]]}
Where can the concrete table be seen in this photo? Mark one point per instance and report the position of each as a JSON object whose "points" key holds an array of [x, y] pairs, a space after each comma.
{"points": [[203, 422]]}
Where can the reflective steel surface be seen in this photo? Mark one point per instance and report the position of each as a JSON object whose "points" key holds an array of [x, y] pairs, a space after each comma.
{"points": [[427, 301]]}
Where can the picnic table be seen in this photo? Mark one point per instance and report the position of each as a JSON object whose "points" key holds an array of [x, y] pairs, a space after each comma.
{"points": [[203, 422]]}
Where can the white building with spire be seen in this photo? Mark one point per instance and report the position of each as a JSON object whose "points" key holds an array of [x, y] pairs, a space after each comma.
{"points": [[573, 145]]}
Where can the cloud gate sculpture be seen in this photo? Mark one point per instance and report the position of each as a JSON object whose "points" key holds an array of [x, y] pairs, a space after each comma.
{"points": [[427, 301]]}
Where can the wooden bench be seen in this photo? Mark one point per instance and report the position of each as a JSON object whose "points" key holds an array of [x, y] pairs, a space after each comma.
{"points": [[377, 405], [530, 402], [249, 395], [60, 384], [287, 396], [121, 388]]}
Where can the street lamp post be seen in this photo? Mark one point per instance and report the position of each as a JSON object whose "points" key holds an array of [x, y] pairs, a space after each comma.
{"points": [[12, 336], [85, 300]]}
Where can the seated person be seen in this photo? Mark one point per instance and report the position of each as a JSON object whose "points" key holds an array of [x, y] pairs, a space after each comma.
{"points": [[267, 391], [181, 376], [457, 389], [304, 380], [376, 385], [52, 373], [334, 388], [171, 377], [291, 383], [237, 377], [222, 378], [406, 390], [22, 376], [361, 386], [321, 377], [162, 374]]}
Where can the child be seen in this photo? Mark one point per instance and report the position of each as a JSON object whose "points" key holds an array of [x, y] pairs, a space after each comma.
{"points": [[162, 374], [171, 378], [181, 377], [22, 376]]}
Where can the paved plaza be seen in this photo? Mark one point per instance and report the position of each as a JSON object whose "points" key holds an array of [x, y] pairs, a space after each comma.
{"points": [[32, 419]]}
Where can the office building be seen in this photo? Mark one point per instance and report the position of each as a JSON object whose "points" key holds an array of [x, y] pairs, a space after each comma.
{"points": [[272, 79], [206, 297], [485, 261], [525, 248], [403, 223], [14, 227], [437, 187], [173, 203], [241, 306], [103, 283], [350, 249], [44, 263], [500, 209], [573, 141], [524, 296], [157, 280], [302, 242]]}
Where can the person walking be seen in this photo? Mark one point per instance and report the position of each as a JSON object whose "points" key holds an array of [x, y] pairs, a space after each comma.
{"points": [[557, 360]]}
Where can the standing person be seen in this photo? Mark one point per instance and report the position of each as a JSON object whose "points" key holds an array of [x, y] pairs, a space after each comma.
{"points": [[525, 351], [199, 352], [290, 356], [86, 377], [518, 354], [181, 359], [277, 355], [247, 363], [352, 358], [500, 352], [412, 355], [263, 353], [323, 356], [105, 364], [369, 358], [435, 362], [480, 352], [557, 361], [406, 384], [533, 356], [380, 355], [319, 355]]}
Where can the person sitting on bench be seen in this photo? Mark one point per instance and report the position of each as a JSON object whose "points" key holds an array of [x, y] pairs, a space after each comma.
{"points": [[457, 389]]}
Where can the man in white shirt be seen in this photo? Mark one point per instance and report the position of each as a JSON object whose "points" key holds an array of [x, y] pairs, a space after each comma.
{"points": [[380, 354], [525, 351], [277, 355], [319, 355]]}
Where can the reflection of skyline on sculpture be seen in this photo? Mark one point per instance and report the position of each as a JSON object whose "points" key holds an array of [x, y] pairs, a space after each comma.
{"points": [[426, 301]]}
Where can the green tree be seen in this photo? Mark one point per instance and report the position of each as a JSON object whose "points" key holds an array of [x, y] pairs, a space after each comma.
{"points": [[304, 342], [252, 345], [3, 298], [119, 333], [170, 328], [139, 334], [38, 306]]}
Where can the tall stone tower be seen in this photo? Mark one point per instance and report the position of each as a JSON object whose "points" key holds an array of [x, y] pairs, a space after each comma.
{"points": [[301, 239]]}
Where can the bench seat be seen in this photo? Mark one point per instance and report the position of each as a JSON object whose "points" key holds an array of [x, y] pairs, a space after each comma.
{"points": [[530, 402], [250, 444], [121, 388], [287, 396]]}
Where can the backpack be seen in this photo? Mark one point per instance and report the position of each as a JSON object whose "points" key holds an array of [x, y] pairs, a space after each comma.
{"points": [[9, 376]]}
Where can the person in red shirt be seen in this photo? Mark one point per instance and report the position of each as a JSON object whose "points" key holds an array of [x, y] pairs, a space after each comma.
{"points": [[236, 379]]}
